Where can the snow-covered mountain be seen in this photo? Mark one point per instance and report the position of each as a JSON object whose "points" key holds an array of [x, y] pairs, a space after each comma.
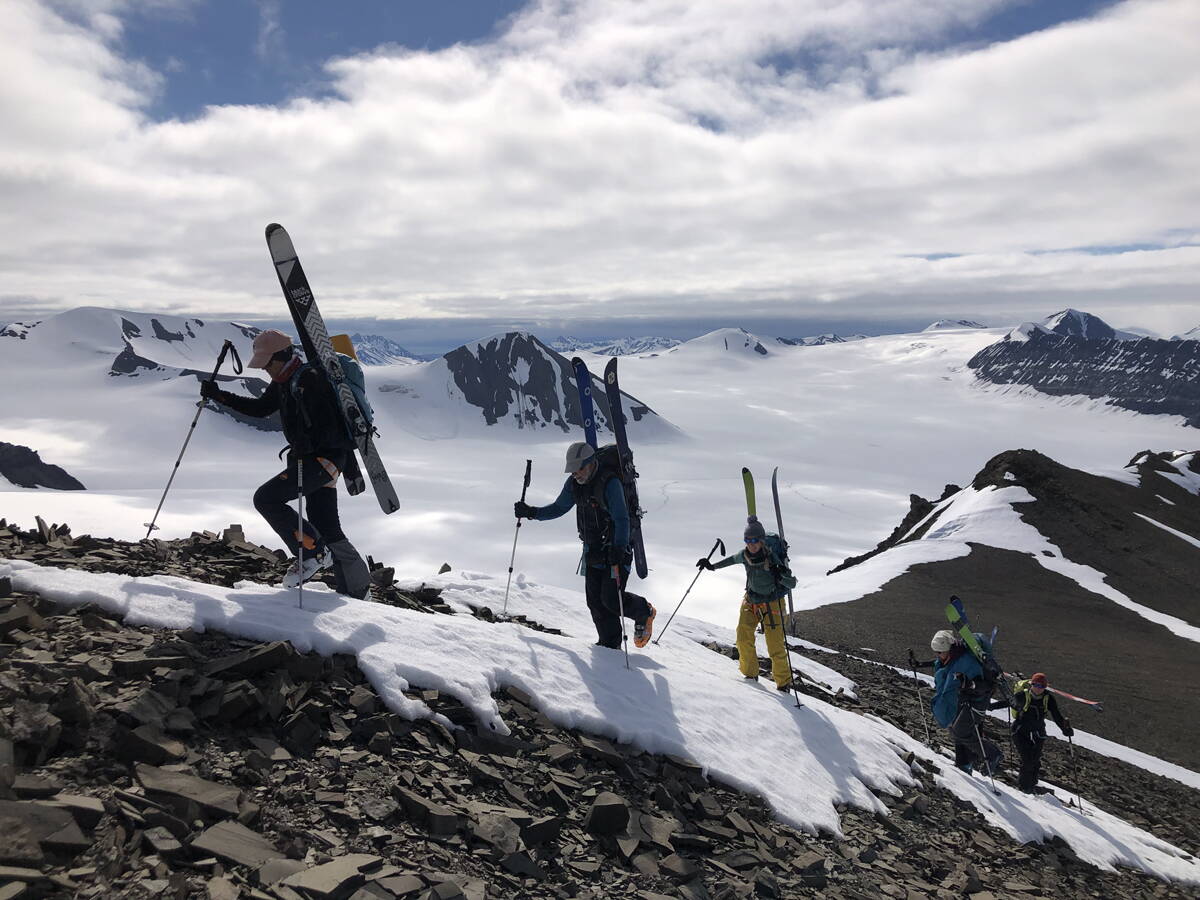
{"points": [[1074, 323], [1090, 575], [736, 342], [376, 350], [818, 340], [1147, 375], [1192, 335], [628, 346], [499, 386], [946, 324]]}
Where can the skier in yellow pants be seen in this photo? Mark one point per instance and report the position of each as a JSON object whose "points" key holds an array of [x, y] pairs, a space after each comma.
{"points": [[768, 579]]}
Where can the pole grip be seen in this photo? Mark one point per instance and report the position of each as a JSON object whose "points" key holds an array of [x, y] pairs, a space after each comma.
{"points": [[528, 473]]}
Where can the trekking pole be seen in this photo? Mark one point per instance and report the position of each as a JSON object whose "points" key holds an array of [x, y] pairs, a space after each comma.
{"points": [[227, 347], [982, 753], [516, 534], [616, 573], [921, 702], [719, 543], [787, 651], [300, 527], [1075, 774]]}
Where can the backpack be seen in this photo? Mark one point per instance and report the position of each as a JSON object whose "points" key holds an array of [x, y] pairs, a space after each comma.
{"points": [[609, 464], [784, 579], [355, 380], [993, 673]]}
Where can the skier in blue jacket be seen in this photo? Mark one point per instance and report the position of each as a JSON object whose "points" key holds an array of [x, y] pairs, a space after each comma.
{"points": [[602, 517], [959, 705]]}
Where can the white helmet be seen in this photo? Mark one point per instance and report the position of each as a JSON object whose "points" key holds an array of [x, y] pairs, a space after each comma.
{"points": [[579, 454], [942, 641]]}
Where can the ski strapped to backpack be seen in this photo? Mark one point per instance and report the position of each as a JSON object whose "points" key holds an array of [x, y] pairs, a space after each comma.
{"points": [[981, 649]]}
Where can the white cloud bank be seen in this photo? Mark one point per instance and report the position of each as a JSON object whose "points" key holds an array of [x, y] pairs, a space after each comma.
{"points": [[796, 155]]}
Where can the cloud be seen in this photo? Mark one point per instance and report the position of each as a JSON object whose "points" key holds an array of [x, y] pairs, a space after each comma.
{"points": [[627, 160]]}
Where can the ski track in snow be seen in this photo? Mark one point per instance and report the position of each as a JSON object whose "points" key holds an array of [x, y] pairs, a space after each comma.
{"points": [[682, 698]]}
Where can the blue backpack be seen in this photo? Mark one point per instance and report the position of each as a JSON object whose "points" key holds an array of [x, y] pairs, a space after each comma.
{"points": [[357, 383]]}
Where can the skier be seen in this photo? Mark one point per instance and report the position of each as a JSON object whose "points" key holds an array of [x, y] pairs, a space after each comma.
{"points": [[960, 701], [602, 518], [316, 433], [768, 579], [1031, 703]]}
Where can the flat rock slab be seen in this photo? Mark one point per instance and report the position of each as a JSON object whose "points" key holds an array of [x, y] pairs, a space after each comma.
{"points": [[335, 879], [217, 799], [234, 842], [52, 828]]}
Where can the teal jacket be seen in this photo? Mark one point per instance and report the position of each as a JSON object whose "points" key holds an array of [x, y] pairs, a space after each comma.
{"points": [[765, 581]]}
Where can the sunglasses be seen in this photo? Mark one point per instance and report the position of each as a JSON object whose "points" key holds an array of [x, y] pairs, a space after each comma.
{"points": [[1037, 684], [753, 540]]}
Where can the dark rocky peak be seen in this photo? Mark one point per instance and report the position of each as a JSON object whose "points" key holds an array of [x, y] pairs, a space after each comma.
{"points": [[1147, 375], [816, 340], [25, 468], [1075, 323], [516, 377]]}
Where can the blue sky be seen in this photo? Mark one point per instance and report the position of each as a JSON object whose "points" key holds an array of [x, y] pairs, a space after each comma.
{"points": [[270, 51], [607, 166]]}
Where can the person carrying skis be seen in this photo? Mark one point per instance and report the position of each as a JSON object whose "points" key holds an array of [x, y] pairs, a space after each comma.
{"points": [[317, 436], [960, 702], [602, 518], [1031, 703], [768, 579]]}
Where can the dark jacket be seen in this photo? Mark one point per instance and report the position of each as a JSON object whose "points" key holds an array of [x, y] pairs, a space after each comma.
{"points": [[601, 514], [1029, 712], [308, 410]]}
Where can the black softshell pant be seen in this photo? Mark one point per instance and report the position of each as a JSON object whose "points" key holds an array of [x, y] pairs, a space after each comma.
{"points": [[967, 731], [322, 527], [1029, 747], [605, 605]]}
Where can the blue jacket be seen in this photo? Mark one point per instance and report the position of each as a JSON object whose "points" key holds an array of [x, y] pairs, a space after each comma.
{"points": [[614, 499], [945, 686]]}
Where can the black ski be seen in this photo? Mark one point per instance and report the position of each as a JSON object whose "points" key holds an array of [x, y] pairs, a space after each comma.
{"points": [[319, 351], [783, 541], [616, 411]]}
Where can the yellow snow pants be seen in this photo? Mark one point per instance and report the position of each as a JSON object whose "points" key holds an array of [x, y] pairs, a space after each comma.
{"points": [[772, 622]]}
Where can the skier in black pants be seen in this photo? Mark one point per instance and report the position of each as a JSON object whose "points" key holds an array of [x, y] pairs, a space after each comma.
{"points": [[316, 434], [1031, 703], [603, 521]]}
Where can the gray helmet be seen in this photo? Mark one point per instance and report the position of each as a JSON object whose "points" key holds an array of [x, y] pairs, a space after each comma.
{"points": [[754, 529], [942, 641], [579, 454]]}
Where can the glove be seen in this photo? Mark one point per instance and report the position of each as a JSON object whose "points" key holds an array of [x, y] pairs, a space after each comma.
{"points": [[703, 563], [1068, 730], [617, 556], [209, 390], [912, 659], [523, 510]]}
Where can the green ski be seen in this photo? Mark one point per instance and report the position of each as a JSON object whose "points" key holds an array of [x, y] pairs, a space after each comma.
{"points": [[748, 481]]}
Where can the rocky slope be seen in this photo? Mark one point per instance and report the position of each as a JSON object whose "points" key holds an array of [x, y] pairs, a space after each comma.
{"points": [[1089, 358], [140, 763], [1089, 645]]}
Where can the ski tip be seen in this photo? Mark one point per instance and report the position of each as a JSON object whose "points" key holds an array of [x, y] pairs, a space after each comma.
{"points": [[745, 471], [273, 227]]}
